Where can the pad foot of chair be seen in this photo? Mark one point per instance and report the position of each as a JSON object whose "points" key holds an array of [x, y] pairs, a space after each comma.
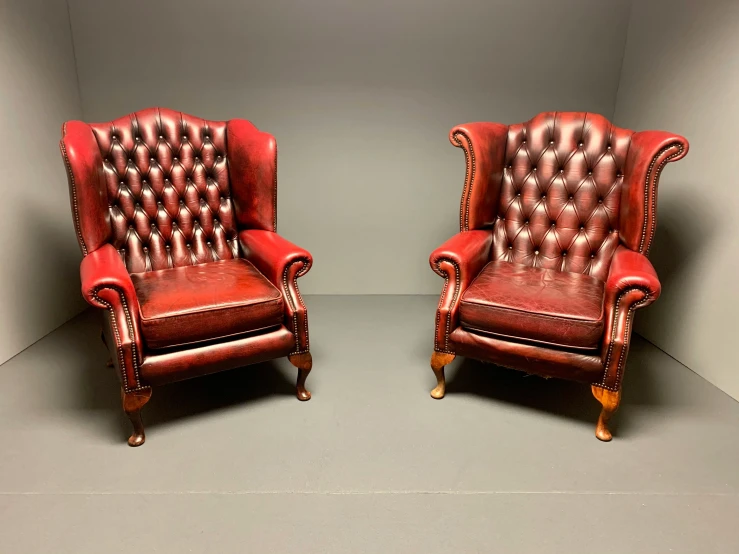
{"points": [[304, 363], [610, 401], [438, 361], [132, 403]]}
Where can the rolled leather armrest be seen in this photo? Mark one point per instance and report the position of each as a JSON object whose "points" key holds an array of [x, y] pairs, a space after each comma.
{"points": [[104, 268], [629, 270], [458, 260], [282, 263], [632, 283], [106, 284]]}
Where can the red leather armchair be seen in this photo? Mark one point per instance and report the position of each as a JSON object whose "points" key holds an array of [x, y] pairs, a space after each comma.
{"points": [[176, 217], [556, 220]]}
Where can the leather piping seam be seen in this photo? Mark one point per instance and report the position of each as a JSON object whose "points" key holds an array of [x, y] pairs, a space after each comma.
{"points": [[300, 273], [291, 302], [274, 194], [73, 186], [626, 336], [117, 335], [469, 177], [645, 242], [457, 286], [445, 275]]}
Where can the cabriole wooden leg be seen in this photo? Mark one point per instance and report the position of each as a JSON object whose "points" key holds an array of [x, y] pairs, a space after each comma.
{"points": [[132, 403], [304, 363], [438, 361], [610, 401]]}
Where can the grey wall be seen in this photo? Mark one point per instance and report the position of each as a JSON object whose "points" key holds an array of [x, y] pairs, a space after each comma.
{"points": [[361, 96], [681, 73], [39, 279]]}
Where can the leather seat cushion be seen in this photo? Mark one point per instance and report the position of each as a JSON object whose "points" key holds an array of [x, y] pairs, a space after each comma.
{"points": [[519, 302], [211, 301]]}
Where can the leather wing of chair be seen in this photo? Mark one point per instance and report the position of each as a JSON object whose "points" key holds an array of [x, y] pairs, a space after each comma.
{"points": [[176, 218], [556, 221]]}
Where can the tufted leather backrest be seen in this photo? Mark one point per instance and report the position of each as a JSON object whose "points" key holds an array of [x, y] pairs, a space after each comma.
{"points": [[168, 191], [561, 192]]}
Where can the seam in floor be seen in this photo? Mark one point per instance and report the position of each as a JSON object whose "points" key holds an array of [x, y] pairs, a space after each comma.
{"points": [[367, 493]]}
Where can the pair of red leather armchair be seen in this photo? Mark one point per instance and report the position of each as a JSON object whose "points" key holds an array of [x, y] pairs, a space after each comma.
{"points": [[176, 218]]}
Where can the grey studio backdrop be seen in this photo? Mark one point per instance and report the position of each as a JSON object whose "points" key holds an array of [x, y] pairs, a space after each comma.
{"points": [[361, 96]]}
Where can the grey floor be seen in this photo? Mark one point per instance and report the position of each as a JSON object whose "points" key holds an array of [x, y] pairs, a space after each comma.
{"points": [[234, 463]]}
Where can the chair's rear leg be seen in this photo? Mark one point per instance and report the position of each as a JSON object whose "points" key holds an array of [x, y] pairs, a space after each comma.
{"points": [[438, 361], [132, 403]]}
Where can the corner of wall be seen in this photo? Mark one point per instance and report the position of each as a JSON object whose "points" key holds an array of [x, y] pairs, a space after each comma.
{"points": [[623, 60]]}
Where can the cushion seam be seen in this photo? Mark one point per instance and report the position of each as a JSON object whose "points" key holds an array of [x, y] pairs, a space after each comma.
{"points": [[206, 310], [532, 342], [534, 314], [218, 338]]}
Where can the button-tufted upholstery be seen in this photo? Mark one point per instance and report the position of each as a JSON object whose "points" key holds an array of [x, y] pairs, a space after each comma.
{"points": [[564, 208], [176, 219], [168, 189], [561, 193]]}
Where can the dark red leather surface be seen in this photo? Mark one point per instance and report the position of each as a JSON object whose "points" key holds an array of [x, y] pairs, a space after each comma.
{"points": [[561, 193], [184, 305], [631, 269], [458, 260], [87, 194], [106, 284], [167, 366], [650, 151], [577, 366], [282, 263], [484, 149], [533, 304], [253, 167]]}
